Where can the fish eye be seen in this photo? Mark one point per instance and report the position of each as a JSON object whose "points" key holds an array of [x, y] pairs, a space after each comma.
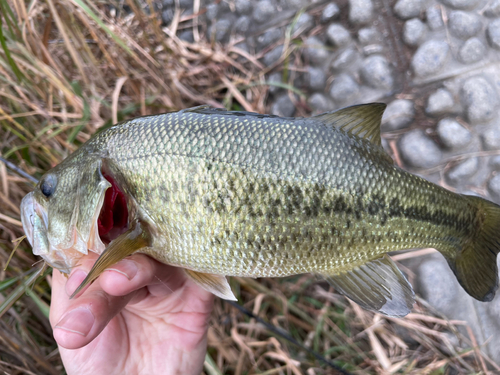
{"points": [[48, 185]]}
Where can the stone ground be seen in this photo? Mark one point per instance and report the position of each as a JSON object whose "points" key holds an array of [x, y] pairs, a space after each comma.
{"points": [[436, 64]]}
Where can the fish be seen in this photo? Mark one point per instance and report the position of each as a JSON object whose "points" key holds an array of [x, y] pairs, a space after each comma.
{"points": [[231, 193]]}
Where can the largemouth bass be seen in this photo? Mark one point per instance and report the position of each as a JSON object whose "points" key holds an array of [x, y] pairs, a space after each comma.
{"points": [[224, 193]]}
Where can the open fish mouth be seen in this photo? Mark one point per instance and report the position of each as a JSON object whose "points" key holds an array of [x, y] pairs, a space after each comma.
{"points": [[108, 222]]}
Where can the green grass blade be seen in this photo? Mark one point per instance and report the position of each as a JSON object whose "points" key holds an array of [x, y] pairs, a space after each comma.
{"points": [[11, 62], [44, 308], [19, 290]]}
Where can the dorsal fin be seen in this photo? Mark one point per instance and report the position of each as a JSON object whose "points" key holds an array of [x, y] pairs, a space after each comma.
{"points": [[207, 110], [361, 120], [378, 286]]}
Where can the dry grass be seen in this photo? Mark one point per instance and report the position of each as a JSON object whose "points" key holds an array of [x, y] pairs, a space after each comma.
{"points": [[69, 68]]}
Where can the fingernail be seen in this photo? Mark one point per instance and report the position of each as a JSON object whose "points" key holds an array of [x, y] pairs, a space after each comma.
{"points": [[79, 320], [74, 281], [125, 267]]}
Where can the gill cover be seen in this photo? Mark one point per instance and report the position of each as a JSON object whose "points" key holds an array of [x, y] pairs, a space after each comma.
{"points": [[60, 217]]}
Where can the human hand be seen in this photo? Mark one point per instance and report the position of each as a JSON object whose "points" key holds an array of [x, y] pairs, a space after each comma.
{"points": [[152, 321]]}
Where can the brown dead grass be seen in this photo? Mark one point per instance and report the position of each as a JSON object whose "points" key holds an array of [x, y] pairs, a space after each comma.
{"points": [[69, 68]]}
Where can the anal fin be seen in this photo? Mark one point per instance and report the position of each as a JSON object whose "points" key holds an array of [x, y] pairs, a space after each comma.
{"points": [[216, 284], [378, 286]]}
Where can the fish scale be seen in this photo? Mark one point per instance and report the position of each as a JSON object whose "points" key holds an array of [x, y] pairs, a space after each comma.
{"points": [[241, 194]]}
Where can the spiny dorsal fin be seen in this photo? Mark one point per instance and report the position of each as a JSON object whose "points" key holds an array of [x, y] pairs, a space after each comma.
{"points": [[361, 120], [216, 284], [378, 286]]}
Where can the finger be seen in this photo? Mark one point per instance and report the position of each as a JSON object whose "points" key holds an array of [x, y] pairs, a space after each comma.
{"points": [[83, 319], [138, 271]]}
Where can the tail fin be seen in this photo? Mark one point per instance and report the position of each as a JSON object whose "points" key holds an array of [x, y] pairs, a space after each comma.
{"points": [[476, 265]]}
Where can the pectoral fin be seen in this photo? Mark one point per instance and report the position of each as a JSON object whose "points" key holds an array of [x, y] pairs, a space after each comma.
{"points": [[216, 284], [124, 245], [378, 286]]}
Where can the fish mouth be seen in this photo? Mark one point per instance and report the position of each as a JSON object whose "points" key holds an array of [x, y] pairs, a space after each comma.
{"points": [[109, 221]]}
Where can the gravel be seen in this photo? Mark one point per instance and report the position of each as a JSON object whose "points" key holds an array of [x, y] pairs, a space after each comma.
{"points": [[243, 6], [360, 11], [304, 23], [263, 11], [494, 186], [399, 114], [434, 18], [493, 10], [452, 134], [414, 32], [344, 88], [406, 9], [462, 172], [430, 57], [439, 102], [345, 58], [320, 103], [495, 162], [283, 106], [464, 25], [276, 78], [269, 37], [472, 51], [222, 28], [493, 33], [316, 79], [273, 56], [491, 138], [369, 35], [242, 25], [418, 150], [337, 35], [330, 13], [460, 4], [315, 51], [376, 72], [480, 99]]}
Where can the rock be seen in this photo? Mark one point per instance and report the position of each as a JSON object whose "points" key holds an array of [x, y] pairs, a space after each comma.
{"points": [[493, 33], [283, 106], [460, 4], [212, 11], [494, 187], [186, 4], [320, 103], [297, 4], [408, 8], [360, 11], [462, 172], [330, 13], [303, 23], [345, 58], [242, 25], [434, 18], [439, 102], [438, 284], [430, 57], [418, 150], [315, 51], [222, 28], [480, 99], [495, 162], [316, 79], [398, 115], [337, 35], [269, 37], [344, 88], [187, 35], [274, 78], [273, 56], [491, 138], [493, 10], [243, 6], [413, 32], [472, 51], [452, 134], [369, 36], [263, 11], [167, 16], [464, 25], [376, 72]]}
